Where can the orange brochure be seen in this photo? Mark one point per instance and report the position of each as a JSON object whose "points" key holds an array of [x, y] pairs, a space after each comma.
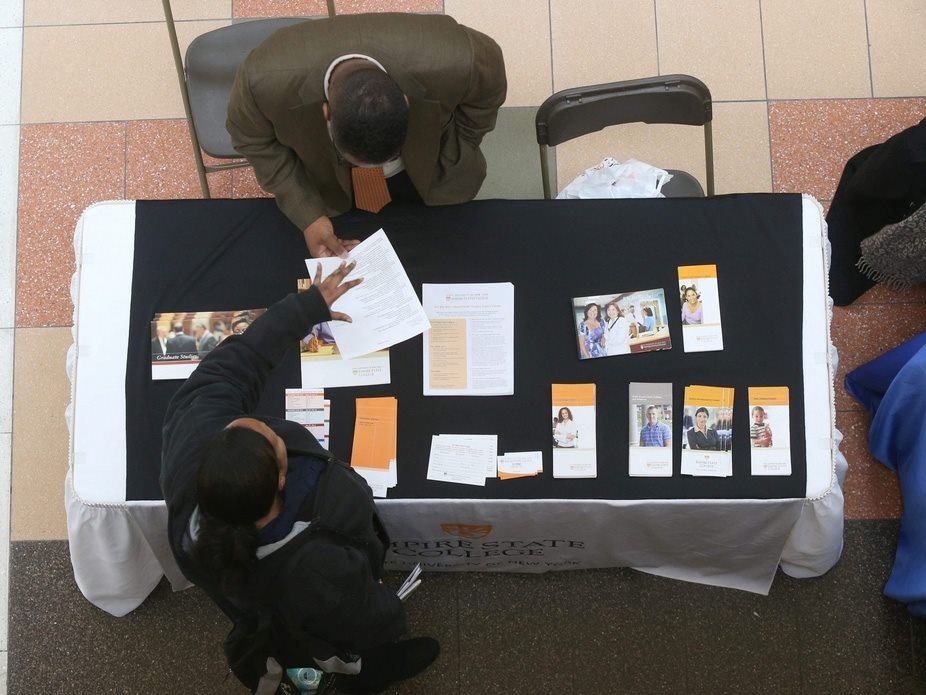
{"points": [[374, 433]]}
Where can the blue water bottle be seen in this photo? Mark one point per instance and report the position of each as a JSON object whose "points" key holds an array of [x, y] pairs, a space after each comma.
{"points": [[306, 680]]}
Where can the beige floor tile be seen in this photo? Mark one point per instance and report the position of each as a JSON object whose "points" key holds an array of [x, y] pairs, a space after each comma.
{"points": [[40, 439], [815, 49], [742, 159], [665, 146], [522, 29], [63, 169], [102, 72], [45, 12], [360, 6], [897, 34], [594, 44], [719, 42]]}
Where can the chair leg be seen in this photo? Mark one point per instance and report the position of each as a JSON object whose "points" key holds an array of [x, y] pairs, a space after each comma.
{"points": [[545, 172], [181, 78]]}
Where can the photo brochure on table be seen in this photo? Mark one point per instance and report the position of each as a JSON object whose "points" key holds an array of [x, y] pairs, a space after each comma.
{"points": [[621, 323], [770, 430], [179, 340], [651, 442], [708, 445], [700, 308], [322, 364]]}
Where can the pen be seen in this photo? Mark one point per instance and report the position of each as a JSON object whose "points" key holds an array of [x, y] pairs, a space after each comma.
{"points": [[409, 590]]}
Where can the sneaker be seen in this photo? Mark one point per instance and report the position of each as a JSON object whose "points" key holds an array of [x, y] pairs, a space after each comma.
{"points": [[387, 664]]}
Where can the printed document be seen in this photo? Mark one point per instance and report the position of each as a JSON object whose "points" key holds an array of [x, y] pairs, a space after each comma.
{"points": [[469, 350], [384, 307], [465, 459]]}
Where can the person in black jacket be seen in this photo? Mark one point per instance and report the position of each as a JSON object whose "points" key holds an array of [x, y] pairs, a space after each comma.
{"points": [[263, 518]]}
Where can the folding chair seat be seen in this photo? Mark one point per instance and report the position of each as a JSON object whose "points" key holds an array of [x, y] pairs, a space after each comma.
{"points": [[678, 99], [206, 78]]}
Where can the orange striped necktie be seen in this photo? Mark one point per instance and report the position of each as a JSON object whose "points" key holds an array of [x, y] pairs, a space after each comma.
{"points": [[370, 190]]}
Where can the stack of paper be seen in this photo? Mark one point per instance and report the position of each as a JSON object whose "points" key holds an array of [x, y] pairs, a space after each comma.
{"points": [[520, 464], [374, 450], [384, 307], [310, 409], [469, 350], [463, 458], [650, 429]]}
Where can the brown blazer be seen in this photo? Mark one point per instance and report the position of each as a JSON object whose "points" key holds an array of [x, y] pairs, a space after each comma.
{"points": [[453, 76]]}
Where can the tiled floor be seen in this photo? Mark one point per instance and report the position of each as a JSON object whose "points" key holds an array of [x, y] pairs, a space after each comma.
{"points": [[90, 111]]}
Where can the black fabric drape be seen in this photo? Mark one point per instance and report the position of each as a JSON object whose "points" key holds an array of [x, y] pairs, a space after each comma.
{"points": [[220, 254]]}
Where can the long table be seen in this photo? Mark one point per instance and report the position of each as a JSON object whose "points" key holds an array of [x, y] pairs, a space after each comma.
{"points": [[138, 258]]}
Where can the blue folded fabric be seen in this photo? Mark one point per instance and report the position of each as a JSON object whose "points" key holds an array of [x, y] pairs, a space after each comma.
{"points": [[893, 388]]}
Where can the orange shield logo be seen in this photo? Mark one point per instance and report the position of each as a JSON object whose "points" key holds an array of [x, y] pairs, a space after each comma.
{"points": [[467, 530]]}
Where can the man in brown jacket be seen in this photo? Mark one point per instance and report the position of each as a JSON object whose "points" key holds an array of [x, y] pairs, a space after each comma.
{"points": [[414, 94]]}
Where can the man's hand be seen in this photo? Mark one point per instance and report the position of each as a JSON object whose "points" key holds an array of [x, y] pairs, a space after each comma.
{"points": [[321, 241], [333, 286]]}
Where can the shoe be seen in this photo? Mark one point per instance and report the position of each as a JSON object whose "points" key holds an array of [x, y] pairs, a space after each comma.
{"points": [[387, 664]]}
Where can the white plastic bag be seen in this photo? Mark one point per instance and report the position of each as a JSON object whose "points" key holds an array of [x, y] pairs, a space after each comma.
{"points": [[612, 179]]}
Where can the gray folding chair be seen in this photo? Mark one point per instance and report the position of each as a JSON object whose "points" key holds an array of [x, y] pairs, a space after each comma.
{"points": [[206, 78], [680, 99]]}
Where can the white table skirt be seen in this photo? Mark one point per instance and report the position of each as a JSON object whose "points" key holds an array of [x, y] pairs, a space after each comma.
{"points": [[119, 549]]}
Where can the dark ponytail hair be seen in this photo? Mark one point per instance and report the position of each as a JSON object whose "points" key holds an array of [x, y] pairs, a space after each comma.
{"points": [[235, 487]]}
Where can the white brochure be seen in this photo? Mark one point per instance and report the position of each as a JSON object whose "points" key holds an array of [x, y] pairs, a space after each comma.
{"points": [[469, 350], [466, 459], [384, 307]]}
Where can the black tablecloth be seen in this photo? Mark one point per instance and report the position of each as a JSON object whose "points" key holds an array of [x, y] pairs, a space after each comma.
{"points": [[207, 255]]}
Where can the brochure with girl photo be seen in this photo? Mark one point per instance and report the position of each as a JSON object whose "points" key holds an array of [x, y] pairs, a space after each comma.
{"points": [[574, 449], [650, 429], [707, 431], [621, 323], [700, 312], [769, 430]]}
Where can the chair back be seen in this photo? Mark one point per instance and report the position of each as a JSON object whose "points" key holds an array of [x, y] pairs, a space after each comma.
{"points": [[212, 60], [678, 99]]}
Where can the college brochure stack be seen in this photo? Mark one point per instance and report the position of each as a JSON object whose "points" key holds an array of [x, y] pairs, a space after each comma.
{"points": [[651, 442], [574, 448], [708, 442], [373, 454], [700, 298], [770, 430]]}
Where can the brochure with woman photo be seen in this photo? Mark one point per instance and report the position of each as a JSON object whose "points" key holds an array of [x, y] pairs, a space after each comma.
{"points": [[621, 323], [707, 431], [574, 448], [769, 430], [700, 308], [650, 429]]}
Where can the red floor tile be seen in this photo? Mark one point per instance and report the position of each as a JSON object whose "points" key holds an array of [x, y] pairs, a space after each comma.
{"points": [[244, 185], [861, 332], [63, 169], [871, 490], [279, 8], [812, 140], [160, 164]]}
